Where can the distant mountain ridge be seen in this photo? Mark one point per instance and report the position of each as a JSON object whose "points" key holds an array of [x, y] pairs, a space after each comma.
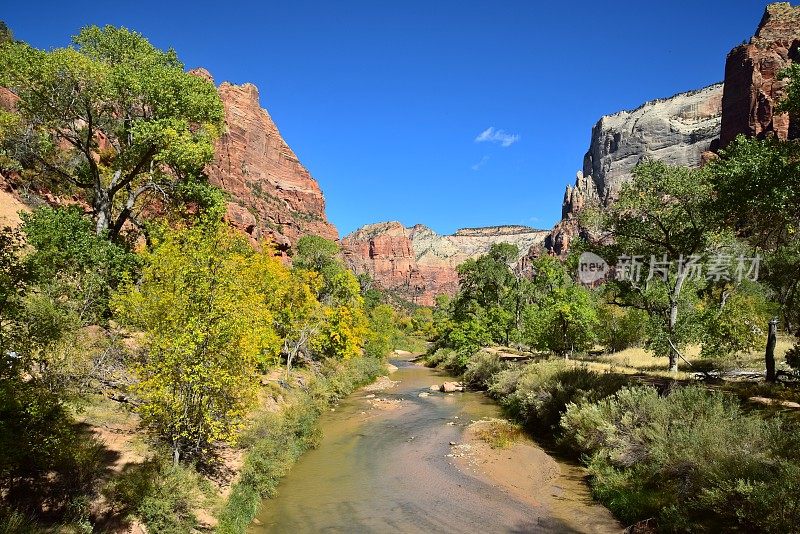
{"points": [[417, 264]]}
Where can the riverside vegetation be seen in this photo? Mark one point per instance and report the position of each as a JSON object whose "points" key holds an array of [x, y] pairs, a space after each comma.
{"points": [[663, 449], [137, 312], [146, 311]]}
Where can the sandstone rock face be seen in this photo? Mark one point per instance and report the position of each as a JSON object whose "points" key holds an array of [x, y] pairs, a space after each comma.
{"points": [[680, 130], [675, 130], [753, 87], [417, 264], [273, 196], [8, 100]]}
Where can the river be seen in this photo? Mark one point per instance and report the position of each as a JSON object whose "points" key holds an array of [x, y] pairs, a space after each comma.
{"points": [[386, 463]]}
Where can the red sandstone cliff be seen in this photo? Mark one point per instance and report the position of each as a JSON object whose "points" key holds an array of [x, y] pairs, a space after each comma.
{"points": [[272, 194], [416, 263], [753, 86]]}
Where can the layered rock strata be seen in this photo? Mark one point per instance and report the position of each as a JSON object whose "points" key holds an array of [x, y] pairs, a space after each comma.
{"points": [[272, 195], [418, 264], [753, 82]]}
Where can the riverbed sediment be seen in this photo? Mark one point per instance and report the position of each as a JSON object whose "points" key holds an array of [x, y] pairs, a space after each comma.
{"points": [[393, 460]]}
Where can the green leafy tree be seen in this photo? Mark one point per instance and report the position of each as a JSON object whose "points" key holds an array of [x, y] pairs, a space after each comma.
{"points": [[736, 321], [662, 214], [339, 285], [564, 317], [382, 331], [422, 322], [114, 116], [5, 33], [13, 287], [488, 290], [74, 266], [620, 328], [758, 195]]}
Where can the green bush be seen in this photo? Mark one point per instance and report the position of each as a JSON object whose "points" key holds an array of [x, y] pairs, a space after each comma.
{"points": [[14, 522], [481, 368], [159, 493], [691, 459], [537, 394], [340, 377], [46, 457], [435, 359], [75, 266], [168, 507], [620, 328]]}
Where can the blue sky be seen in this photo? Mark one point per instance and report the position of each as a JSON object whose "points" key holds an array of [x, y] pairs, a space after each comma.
{"points": [[384, 101]]}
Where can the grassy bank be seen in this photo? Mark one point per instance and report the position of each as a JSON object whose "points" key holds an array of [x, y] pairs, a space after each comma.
{"points": [[679, 456]]}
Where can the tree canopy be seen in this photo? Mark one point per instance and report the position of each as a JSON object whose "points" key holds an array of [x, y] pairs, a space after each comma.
{"points": [[111, 115]]}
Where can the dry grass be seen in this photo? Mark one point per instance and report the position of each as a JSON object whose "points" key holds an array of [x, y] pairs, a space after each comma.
{"points": [[498, 433], [638, 360]]}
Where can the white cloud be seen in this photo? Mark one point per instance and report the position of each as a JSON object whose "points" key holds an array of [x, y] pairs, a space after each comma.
{"points": [[493, 135], [481, 163]]}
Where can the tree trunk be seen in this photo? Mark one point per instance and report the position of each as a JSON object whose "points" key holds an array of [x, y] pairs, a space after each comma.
{"points": [[772, 339], [102, 211], [673, 321]]}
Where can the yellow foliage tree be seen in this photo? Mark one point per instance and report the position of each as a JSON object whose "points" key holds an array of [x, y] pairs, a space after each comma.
{"points": [[342, 332], [204, 303]]}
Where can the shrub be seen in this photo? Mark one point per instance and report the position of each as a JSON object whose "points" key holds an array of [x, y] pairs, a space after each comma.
{"points": [[498, 433], [75, 265], [537, 394], [621, 328], [161, 494], [168, 506], [691, 459], [46, 457], [436, 358], [481, 368]]}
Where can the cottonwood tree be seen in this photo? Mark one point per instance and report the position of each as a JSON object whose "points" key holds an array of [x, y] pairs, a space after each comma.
{"points": [[563, 317], [114, 116], [342, 329], [662, 216], [758, 195], [488, 291], [207, 328]]}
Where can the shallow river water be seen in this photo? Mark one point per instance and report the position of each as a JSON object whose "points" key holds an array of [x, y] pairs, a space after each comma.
{"points": [[383, 466]]}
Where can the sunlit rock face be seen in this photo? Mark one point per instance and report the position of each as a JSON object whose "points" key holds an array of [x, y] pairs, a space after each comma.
{"points": [[675, 130], [417, 264], [680, 130], [753, 86], [272, 195]]}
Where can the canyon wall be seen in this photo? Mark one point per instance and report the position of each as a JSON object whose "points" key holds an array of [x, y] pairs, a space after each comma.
{"points": [[417, 264], [678, 130], [686, 128], [753, 86], [272, 195]]}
